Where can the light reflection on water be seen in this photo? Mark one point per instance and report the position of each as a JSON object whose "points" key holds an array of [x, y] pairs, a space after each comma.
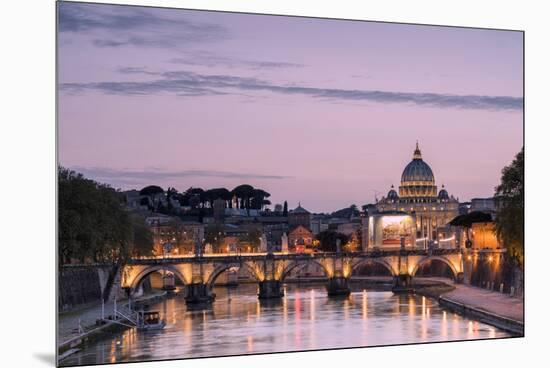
{"points": [[237, 323]]}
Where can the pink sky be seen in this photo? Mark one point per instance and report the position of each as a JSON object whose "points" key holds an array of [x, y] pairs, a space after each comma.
{"points": [[319, 111]]}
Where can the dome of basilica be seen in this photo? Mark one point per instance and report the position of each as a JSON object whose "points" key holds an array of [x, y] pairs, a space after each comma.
{"points": [[443, 194], [417, 169], [417, 179], [392, 194]]}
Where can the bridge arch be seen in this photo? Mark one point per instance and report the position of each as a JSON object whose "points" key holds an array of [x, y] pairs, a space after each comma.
{"points": [[424, 260], [382, 262], [142, 274], [302, 263], [224, 267]]}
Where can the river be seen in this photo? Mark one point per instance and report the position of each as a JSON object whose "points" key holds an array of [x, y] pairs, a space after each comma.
{"points": [[305, 319]]}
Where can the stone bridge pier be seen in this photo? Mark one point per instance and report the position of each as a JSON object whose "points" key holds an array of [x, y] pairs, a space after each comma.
{"points": [[198, 293], [270, 289]]}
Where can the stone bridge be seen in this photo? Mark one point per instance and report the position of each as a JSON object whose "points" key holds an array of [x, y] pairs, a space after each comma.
{"points": [[198, 273]]}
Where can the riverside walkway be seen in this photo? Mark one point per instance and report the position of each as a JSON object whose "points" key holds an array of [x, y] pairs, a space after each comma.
{"points": [[490, 301]]}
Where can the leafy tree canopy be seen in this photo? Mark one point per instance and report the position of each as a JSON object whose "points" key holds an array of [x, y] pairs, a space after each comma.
{"points": [[151, 190], [328, 238], [93, 224], [510, 203]]}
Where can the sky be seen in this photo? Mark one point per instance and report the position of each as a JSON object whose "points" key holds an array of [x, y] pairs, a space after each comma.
{"points": [[318, 111]]}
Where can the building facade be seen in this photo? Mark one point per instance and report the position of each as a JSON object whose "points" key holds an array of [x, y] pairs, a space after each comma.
{"points": [[418, 195], [299, 216], [299, 239]]}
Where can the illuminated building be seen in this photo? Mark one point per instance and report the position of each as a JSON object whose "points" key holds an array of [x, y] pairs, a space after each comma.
{"points": [[389, 230], [182, 235], [299, 224], [300, 238], [418, 195]]}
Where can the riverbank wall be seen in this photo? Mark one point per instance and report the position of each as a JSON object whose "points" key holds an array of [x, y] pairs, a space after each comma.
{"points": [[502, 322], [83, 285], [491, 269], [490, 307]]}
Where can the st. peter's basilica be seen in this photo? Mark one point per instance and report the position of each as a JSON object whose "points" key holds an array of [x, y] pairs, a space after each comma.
{"points": [[418, 194]]}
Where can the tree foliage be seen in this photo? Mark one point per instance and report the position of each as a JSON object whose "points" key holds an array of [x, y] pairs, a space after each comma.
{"points": [[328, 238], [348, 212], [215, 235], [510, 208], [251, 237], [468, 219], [151, 190], [93, 225]]}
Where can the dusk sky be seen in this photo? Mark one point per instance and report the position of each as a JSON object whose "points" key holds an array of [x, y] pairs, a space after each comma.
{"points": [[325, 112]]}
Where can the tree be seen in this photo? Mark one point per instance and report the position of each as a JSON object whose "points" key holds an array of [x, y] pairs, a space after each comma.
{"points": [[327, 240], [215, 235], [217, 193], [196, 197], [152, 192], [285, 209], [509, 196], [244, 193], [93, 224], [251, 238], [142, 237], [171, 192], [468, 219], [346, 212], [145, 202], [259, 198]]}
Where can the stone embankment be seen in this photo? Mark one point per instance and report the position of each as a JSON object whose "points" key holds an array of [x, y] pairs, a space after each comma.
{"points": [[497, 309]]}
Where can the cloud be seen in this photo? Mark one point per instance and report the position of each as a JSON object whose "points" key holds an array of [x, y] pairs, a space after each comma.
{"points": [[116, 26], [188, 83], [208, 59], [155, 175]]}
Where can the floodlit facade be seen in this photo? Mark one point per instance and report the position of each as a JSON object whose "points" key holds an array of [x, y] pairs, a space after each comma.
{"points": [[418, 195]]}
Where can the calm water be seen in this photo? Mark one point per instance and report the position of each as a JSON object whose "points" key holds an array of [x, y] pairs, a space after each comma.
{"points": [[305, 319]]}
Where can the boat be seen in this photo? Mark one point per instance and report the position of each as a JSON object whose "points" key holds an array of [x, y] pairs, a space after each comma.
{"points": [[149, 321]]}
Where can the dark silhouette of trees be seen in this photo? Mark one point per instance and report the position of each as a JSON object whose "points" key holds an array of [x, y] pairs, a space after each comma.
{"points": [[244, 193], [93, 223], [196, 197], [285, 209], [217, 193], [259, 199], [142, 237], [346, 212], [151, 190], [215, 235], [327, 240], [509, 196], [468, 219]]}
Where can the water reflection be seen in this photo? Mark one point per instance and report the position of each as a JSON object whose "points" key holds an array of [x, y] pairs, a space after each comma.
{"points": [[237, 323]]}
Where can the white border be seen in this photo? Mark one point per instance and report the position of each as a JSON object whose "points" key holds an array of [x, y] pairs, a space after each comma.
{"points": [[27, 145]]}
